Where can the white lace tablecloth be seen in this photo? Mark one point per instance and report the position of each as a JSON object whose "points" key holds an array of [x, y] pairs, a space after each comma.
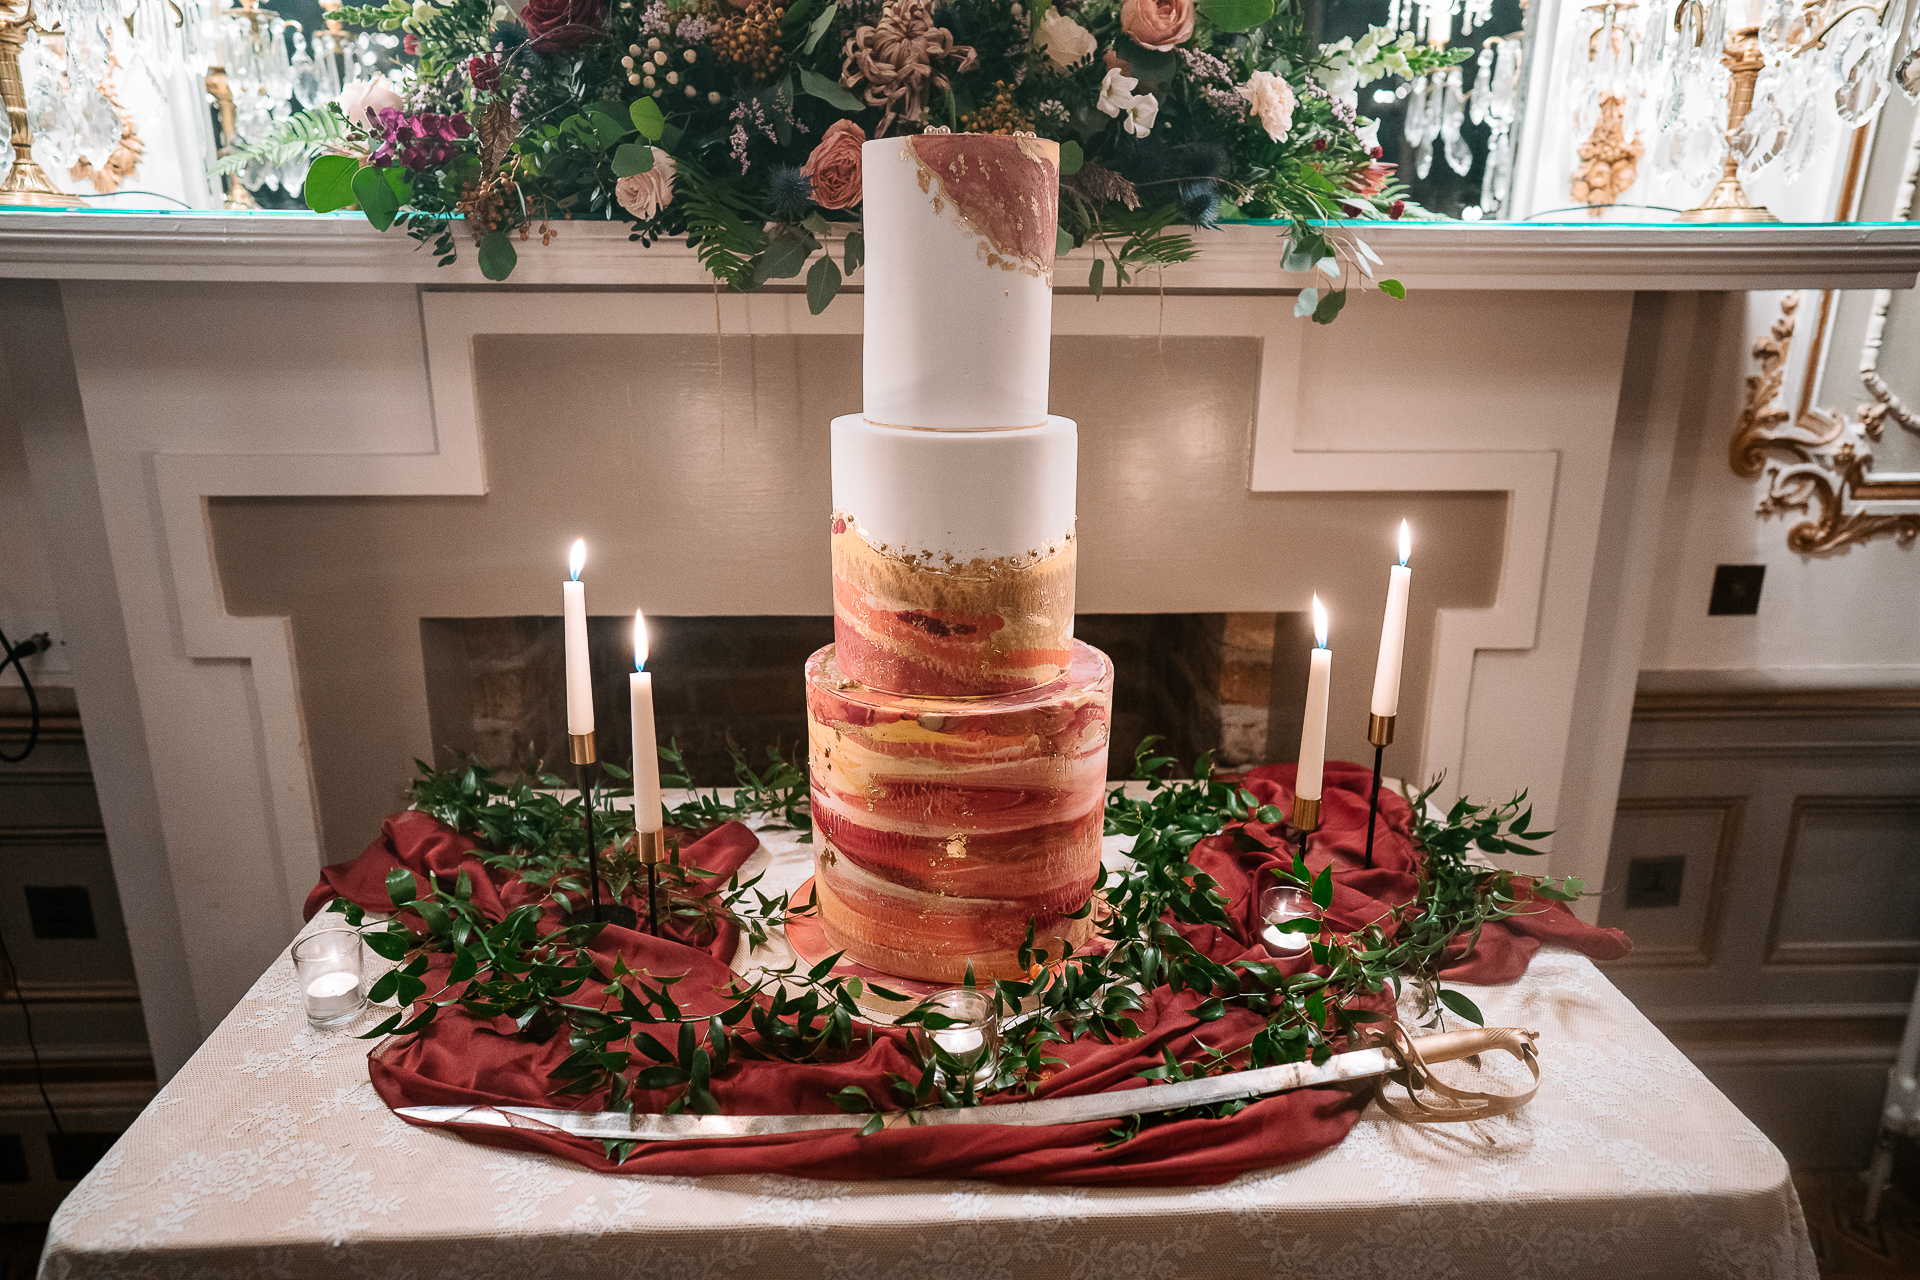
{"points": [[270, 1155]]}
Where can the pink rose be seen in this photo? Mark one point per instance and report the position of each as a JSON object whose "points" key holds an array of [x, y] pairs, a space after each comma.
{"points": [[834, 166], [645, 194], [1157, 24], [363, 99]]}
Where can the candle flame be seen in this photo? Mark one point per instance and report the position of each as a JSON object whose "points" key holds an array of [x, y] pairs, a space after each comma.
{"points": [[577, 558], [1319, 621], [639, 640], [1406, 542]]}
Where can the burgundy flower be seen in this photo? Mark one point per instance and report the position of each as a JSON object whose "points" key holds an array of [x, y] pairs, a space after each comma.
{"points": [[483, 71], [410, 46], [561, 24], [1397, 208], [424, 141]]}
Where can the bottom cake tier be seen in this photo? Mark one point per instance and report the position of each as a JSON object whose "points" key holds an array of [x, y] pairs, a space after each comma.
{"points": [[944, 827]]}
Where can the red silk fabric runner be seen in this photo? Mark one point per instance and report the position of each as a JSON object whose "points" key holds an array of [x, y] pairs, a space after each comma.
{"points": [[462, 1060]]}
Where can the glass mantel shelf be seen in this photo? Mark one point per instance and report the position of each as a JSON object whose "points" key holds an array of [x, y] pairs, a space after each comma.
{"points": [[1575, 254]]}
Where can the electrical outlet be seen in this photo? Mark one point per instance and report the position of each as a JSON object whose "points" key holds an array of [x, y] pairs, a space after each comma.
{"points": [[1736, 589], [1655, 882], [60, 911]]}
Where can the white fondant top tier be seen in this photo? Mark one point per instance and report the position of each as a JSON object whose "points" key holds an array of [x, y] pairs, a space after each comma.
{"points": [[960, 233], [957, 497]]}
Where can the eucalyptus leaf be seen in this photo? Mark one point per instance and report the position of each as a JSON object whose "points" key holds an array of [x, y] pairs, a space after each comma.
{"points": [[646, 117], [854, 252], [497, 255], [632, 158], [1236, 15], [823, 282], [1394, 289], [829, 91], [329, 183], [1303, 305], [1071, 158], [376, 197], [818, 29]]}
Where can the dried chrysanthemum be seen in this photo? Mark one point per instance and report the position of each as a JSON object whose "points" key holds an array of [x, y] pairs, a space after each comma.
{"points": [[899, 58]]}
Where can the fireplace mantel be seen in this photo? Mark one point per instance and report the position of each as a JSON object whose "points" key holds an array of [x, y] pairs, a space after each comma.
{"points": [[268, 247]]}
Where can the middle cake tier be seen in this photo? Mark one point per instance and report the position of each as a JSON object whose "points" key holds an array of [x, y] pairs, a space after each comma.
{"points": [[943, 827]]}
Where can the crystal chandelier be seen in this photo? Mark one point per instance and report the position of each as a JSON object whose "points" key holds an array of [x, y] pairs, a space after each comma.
{"points": [[1736, 88]]}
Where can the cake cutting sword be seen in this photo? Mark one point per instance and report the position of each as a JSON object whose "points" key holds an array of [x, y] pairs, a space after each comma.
{"points": [[1402, 1058]]}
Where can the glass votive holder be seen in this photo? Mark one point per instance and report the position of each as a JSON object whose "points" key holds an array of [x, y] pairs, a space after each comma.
{"points": [[1278, 905], [328, 966], [967, 1037]]}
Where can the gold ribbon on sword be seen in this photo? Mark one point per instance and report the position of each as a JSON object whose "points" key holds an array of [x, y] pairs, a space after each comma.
{"points": [[1398, 1057]]}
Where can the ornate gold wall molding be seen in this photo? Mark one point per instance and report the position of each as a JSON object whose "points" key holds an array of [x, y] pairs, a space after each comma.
{"points": [[1819, 456]]}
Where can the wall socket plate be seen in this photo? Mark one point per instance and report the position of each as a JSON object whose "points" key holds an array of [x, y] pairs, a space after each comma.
{"points": [[1655, 882], [1736, 589]]}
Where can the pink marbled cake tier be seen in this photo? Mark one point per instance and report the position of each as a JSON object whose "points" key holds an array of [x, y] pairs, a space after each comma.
{"points": [[943, 826], [912, 626]]}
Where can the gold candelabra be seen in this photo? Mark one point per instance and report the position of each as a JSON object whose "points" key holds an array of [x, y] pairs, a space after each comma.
{"points": [[1728, 201], [27, 185]]}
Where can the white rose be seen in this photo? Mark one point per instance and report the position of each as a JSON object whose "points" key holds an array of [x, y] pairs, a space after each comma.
{"points": [[1140, 114], [1270, 98], [1065, 42], [359, 100], [1116, 92]]}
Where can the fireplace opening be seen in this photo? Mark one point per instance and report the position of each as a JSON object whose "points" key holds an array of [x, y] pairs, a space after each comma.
{"points": [[1206, 681]]}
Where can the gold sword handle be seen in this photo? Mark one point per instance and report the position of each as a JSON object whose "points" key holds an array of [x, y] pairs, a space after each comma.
{"points": [[1415, 1056]]}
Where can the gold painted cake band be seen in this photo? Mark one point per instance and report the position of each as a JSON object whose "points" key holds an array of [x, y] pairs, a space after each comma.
{"points": [[581, 747], [1380, 730]]}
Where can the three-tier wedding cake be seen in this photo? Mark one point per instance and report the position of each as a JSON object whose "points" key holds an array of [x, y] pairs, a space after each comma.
{"points": [[958, 731]]}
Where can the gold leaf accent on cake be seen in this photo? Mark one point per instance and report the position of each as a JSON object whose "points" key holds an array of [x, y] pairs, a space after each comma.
{"points": [[1005, 190]]}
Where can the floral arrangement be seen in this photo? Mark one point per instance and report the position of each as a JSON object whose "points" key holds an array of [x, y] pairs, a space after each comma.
{"points": [[738, 124]]}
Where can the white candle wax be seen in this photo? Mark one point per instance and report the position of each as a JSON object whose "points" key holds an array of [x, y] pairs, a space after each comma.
{"points": [[646, 754], [573, 599], [1313, 726], [960, 1041], [1393, 643], [1283, 942], [332, 994]]}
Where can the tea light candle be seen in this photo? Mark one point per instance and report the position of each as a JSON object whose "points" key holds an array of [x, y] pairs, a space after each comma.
{"points": [[960, 1041], [332, 994], [1277, 907]]}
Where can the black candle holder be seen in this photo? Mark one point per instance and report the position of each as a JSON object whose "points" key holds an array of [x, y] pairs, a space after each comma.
{"points": [[1380, 734], [605, 912]]}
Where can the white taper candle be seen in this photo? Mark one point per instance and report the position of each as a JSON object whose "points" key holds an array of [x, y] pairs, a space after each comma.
{"points": [[1393, 632], [573, 599], [1313, 725], [646, 746]]}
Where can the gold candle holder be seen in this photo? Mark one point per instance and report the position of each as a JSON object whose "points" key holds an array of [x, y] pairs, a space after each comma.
{"points": [[650, 847], [1728, 201], [1380, 730], [27, 185], [580, 747], [1306, 814]]}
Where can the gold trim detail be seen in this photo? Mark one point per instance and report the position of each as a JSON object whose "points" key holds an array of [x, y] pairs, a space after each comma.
{"points": [[1813, 460], [1380, 730], [1728, 201], [580, 748], [1306, 814], [650, 847], [27, 185]]}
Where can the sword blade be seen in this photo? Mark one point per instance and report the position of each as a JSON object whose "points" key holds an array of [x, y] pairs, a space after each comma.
{"points": [[648, 1127]]}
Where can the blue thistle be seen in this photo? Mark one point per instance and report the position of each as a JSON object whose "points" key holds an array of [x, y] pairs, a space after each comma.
{"points": [[789, 191]]}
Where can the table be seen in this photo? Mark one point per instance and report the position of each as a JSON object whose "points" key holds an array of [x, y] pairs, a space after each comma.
{"points": [[270, 1155]]}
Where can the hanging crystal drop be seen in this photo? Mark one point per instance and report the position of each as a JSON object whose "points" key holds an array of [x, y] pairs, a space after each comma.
{"points": [[1458, 155]]}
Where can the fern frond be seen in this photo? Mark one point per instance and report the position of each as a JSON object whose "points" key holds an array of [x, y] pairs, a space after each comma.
{"points": [[723, 226], [303, 135]]}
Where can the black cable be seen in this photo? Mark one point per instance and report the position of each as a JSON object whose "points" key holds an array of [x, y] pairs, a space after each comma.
{"points": [[39, 1072], [11, 653]]}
